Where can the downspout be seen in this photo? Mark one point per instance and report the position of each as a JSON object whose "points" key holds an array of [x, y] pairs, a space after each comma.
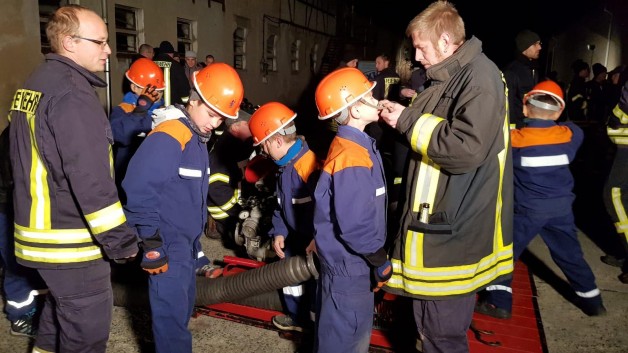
{"points": [[107, 63], [608, 37]]}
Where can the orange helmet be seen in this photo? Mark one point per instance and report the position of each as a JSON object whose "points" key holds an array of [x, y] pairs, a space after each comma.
{"points": [[220, 87], [549, 88], [144, 72], [340, 89], [269, 119]]}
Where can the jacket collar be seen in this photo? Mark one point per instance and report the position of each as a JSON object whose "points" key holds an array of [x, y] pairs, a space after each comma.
{"points": [[91, 77], [448, 67]]}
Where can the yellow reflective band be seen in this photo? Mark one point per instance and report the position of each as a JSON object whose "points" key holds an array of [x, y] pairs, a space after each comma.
{"points": [[106, 219], [26, 101], [397, 180], [620, 114], [620, 211], [426, 184], [422, 132], [219, 177], [56, 255], [39, 216], [217, 213], [52, 236]]}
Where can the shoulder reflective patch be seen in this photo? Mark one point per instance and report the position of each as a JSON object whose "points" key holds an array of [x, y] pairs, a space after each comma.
{"points": [[127, 107], [176, 129], [345, 153], [531, 136], [165, 64], [26, 101]]}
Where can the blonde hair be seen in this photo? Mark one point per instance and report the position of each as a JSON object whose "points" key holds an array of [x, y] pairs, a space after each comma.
{"points": [[63, 22], [438, 17]]}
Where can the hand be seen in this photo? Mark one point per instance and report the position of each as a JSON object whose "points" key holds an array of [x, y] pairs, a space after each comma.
{"points": [[391, 112], [154, 260], [125, 260], [146, 99], [381, 275], [408, 92], [278, 245], [311, 248]]}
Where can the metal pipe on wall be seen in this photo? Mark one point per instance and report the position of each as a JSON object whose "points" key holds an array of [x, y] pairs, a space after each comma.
{"points": [[103, 5]]}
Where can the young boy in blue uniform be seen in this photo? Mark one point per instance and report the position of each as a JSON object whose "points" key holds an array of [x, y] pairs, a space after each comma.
{"points": [[272, 127], [350, 216], [166, 185], [542, 151]]}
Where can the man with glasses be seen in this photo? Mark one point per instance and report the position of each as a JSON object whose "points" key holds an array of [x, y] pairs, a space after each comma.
{"points": [[68, 218]]}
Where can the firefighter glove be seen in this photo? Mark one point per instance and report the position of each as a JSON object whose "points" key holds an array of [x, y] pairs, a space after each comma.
{"points": [[154, 260], [146, 99], [381, 268]]}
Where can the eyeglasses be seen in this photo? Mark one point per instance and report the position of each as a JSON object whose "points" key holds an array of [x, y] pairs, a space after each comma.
{"points": [[101, 43]]}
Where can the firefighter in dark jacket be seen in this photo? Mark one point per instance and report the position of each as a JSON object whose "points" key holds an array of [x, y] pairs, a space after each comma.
{"points": [[68, 217], [616, 188], [456, 230], [166, 186], [177, 84]]}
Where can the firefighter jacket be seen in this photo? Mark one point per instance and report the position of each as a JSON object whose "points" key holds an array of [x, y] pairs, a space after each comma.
{"points": [[388, 85], [461, 168], [542, 152], [67, 210], [177, 89], [226, 159], [618, 120], [128, 131], [296, 180], [521, 75], [350, 204], [166, 186]]}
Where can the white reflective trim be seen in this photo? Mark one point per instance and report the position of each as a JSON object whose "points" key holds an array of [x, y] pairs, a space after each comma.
{"points": [[301, 200], [200, 254], [294, 291], [380, 191], [195, 173], [545, 161], [499, 287], [589, 294], [67, 235], [29, 300], [71, 254]]}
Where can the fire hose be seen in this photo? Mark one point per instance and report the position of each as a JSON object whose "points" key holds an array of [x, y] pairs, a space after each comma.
{"points": [[259, 283]]}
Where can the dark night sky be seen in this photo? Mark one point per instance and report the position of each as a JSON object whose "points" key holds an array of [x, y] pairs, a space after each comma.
{"points": [[496, 23]]}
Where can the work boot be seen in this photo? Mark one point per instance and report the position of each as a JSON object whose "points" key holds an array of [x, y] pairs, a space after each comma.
{"points": [[491, 310], [209, 271], [24, 326], [612, 260], [285, 322]]}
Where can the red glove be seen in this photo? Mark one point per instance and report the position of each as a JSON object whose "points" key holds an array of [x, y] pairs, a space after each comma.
{"points": [[259, 167]]}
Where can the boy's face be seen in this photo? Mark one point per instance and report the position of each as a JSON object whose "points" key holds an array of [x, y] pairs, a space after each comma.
{"points": [[205, 118], [369, 110], [272, 148]]}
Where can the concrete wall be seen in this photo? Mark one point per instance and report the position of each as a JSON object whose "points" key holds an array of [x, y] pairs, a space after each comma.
{"points": [[213, 34]]}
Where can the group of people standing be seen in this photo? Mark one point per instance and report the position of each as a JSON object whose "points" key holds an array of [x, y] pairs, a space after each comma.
{"points": [[464, 215]]}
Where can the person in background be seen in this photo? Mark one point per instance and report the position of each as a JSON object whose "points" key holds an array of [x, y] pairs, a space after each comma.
{"points": [[542, 151], [209, 59], [22, 286], [272, 127], [177, 86], [577, 92], [522, 73], [349, 216], [166, 186], [74, 223], [131, 120], [456, 230], [191, 66], [147, 51]]}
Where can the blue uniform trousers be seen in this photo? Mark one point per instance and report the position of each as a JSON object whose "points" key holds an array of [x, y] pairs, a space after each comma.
{"points": [[78, 309], [21, 284], [172, 296], [443, 324], [560, 235], [345, 306]]}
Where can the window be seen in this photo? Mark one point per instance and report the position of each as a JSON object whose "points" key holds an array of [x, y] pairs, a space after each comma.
{"points": [[239, 48], [294, 53], [46, 8], [127, 30], [185, 35], [271, 52], [314, 59]]}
